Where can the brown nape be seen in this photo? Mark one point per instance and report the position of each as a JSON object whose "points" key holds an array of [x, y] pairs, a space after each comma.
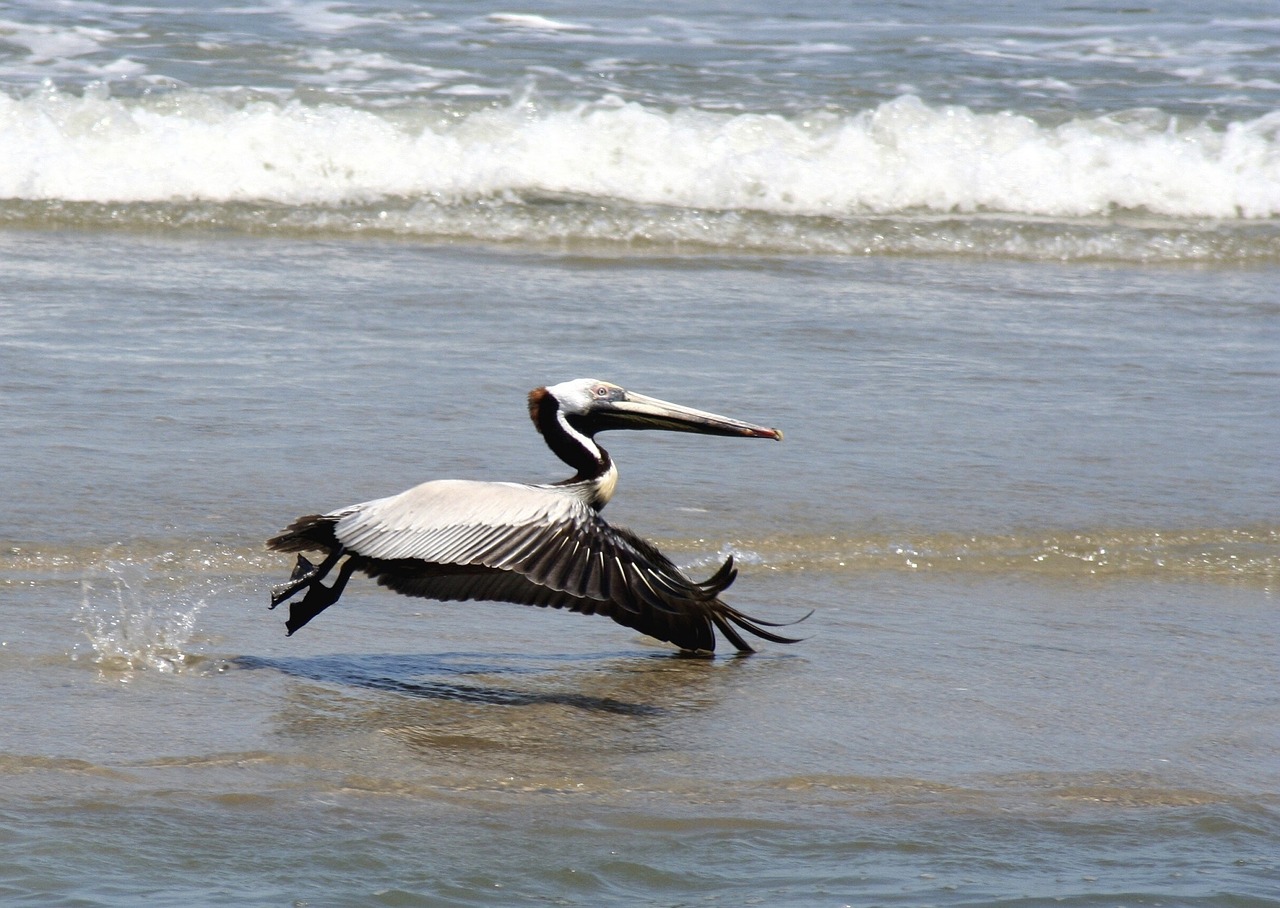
{"points": [[587, 463], [536, 397]]}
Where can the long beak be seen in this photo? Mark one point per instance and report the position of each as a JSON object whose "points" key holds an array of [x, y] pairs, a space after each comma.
{"points": [[636, 411]]}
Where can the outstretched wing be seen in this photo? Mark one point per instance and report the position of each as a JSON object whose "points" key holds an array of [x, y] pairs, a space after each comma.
{"points": [[533, 545]]}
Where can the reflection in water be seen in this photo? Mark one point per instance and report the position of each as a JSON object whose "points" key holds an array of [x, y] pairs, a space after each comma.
{"points": [[603, 722], [409, 674]]}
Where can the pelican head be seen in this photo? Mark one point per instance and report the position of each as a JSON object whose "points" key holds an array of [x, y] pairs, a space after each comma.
{"points": [[590, 406]]}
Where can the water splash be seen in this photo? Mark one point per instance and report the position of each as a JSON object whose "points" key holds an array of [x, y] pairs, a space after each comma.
{"points": [[136, 621]]}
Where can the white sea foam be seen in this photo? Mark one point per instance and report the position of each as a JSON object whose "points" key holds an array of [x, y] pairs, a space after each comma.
{"points": [[53, 43], [529, 20], [902, 156], [318, 17]]}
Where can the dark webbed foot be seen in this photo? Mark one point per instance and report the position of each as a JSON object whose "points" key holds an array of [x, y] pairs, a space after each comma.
{"points": [[304, 574], [319, 597]]}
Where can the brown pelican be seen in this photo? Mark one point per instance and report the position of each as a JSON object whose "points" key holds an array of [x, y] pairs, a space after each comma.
{"points": [[543, 545]]}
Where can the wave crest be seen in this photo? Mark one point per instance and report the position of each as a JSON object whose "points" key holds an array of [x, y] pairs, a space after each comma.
{"points": [[901, 157]]}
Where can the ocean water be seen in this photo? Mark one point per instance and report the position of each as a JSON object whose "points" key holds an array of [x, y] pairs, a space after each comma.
{"points": [[1007, 277]]}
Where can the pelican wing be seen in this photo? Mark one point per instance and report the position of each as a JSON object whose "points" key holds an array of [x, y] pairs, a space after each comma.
{"points": [[458, 540], [447, 520], [550, 538]]}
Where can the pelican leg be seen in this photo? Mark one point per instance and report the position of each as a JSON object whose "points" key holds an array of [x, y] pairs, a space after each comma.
{"points": [[319, 597], [304, 574]]}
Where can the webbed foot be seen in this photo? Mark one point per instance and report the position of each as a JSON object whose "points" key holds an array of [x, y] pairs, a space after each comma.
{"points": [[319, 597], [303, 573]]}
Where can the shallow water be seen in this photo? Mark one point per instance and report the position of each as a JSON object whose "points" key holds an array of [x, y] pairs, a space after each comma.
{"points": [[1034, 528], [1007, 283]]}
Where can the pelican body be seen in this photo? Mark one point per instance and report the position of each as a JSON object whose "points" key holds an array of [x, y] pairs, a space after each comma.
{"points": [[531, 544]]}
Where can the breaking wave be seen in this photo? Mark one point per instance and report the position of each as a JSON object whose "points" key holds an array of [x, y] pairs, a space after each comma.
{"points": [[901, 177]]}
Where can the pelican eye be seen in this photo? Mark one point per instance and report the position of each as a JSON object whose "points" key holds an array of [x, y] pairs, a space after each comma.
{"points": [[602, 392]]}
